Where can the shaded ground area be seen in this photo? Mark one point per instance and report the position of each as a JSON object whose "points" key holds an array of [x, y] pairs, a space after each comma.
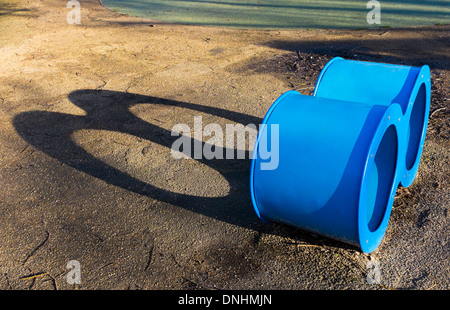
{"points": [[86, 171], [287, 13]]}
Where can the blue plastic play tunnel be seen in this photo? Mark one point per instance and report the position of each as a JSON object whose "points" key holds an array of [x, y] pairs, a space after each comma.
{"points": [[384, 84], [343, 151]]}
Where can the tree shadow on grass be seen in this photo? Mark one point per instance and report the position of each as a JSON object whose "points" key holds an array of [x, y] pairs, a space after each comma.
{"points": [[282, 14]]}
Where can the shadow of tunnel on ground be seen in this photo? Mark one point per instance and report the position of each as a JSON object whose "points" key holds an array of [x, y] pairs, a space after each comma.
{"points": [[51, 132]]}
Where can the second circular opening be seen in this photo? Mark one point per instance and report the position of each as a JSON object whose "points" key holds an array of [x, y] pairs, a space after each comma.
{"points": [[381, 178], [416, 123]]}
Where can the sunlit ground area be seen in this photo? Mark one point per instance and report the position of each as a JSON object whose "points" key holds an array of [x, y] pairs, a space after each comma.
{"points": [[287, 13], [86, 171]]}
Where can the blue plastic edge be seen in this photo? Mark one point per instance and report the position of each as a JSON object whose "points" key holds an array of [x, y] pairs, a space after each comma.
{"points": [[322, 73], [370, 240], [255, 151], [423, 77]]}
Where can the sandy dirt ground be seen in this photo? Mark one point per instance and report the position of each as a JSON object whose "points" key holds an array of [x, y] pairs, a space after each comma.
{"points": [[86, 113]]}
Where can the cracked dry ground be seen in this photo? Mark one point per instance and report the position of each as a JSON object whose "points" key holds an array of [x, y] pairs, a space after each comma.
{"points": [[86, 171]]}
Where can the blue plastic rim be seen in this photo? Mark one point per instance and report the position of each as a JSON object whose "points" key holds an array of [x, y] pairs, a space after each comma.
{"points": [[380, 181], [417, 116], [342, 154]]}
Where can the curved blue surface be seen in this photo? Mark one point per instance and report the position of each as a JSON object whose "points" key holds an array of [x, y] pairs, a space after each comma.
{"points": [[344, 151], [384, 84]]}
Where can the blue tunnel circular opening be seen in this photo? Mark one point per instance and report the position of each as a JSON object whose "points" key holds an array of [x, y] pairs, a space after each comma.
{"points": [[381, 178], [415, 128]]}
